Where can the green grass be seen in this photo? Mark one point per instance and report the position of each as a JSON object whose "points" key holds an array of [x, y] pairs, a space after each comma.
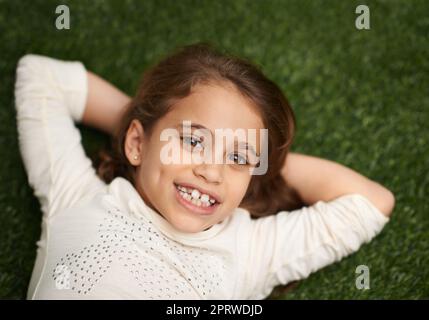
{"points": [[360, 97]]}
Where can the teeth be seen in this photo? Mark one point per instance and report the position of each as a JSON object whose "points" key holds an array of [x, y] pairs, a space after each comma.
{"points": [[194, 194], [182, 188], [196, 202], [205, 198]]}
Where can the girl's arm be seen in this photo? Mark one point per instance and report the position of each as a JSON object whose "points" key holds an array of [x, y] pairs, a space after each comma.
{"points": [[105, 104], [50, 97], [345, 210], [320, 179]]}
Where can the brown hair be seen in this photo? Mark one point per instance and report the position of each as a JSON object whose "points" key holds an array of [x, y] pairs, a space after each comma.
{"points": [[173, 78]]}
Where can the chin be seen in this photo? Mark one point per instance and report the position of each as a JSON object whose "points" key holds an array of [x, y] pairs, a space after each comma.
{"points": [[187, 228]]}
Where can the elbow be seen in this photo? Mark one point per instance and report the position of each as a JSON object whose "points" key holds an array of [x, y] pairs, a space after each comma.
{"points": [[28, 62], [381, 197], [25, 69], [385, 202], [28, 75], [31, 66], [390, 204]]}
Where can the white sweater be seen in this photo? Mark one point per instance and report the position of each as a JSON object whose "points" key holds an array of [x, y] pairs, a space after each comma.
{"points": [[101, 241]]}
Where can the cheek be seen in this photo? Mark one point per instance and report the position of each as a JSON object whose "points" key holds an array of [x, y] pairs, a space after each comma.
{"points": [[238, 186], [151, 165]]}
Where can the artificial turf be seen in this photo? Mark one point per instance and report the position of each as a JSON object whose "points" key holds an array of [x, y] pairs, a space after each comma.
{"points": [[360, 98]]}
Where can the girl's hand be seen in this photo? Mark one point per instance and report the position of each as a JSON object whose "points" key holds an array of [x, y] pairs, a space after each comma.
{"points": [[105, 104]]}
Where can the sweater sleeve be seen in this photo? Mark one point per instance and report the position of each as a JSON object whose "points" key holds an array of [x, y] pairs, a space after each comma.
{"points": [[291, 245], [50, 95]]}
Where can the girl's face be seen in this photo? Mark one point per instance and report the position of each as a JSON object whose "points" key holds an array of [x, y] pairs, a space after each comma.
{"points": [[214, 107]]}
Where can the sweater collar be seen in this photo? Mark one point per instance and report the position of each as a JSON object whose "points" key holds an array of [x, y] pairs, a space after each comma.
{"points": [[125, 192]]}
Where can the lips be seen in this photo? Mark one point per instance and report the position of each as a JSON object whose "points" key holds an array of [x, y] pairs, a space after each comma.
{"points": [[208, 210], [212, 194]]}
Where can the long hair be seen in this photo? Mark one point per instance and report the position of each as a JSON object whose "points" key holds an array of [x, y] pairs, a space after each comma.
{"points": [[173, 78]]}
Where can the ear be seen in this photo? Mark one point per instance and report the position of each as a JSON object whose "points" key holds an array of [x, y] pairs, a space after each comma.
{"points": [[134, 140]]}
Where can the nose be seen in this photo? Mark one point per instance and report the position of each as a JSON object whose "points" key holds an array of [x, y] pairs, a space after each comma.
{"points": [[212, 173]]}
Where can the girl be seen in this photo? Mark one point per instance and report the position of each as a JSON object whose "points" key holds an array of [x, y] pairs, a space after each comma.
{"points": [[143, 229]]}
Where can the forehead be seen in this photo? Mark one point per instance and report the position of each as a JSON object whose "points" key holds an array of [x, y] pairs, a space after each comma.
{"points": [[215, 106]]}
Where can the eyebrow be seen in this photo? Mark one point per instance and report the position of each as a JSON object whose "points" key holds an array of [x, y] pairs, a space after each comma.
{"points": [[244, 145]]}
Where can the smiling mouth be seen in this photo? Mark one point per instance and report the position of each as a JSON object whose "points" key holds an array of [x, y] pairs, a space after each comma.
{"points": [[187, 197]]}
